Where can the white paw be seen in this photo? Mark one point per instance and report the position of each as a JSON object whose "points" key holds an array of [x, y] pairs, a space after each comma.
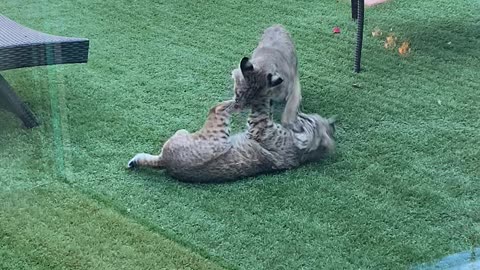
{"points": [[133, 163]]}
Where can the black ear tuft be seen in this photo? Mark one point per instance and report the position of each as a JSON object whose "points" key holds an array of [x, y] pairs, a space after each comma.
{"points": [[245, 65], [273, 80]]}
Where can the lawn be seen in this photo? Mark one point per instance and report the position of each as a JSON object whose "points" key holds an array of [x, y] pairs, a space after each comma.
{"points": [[402, 189]]}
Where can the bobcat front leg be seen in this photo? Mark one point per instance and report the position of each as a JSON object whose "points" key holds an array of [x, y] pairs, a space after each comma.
{"points": [[289, 115], [217, 125], [260, 122], [270, 135]]}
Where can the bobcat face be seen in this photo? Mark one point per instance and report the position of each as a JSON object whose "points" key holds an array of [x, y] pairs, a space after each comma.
{"points": [[326, 129], [251, 83], [322, 131]]}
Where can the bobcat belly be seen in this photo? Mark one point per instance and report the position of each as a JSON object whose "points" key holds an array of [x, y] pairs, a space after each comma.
{"points": [[244, 158]]}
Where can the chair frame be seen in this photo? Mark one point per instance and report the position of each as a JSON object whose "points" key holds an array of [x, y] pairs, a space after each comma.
{"points": [[22, 47]]}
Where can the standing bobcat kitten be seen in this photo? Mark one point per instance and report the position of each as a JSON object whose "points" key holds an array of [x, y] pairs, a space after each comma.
{"points": [[273, 68], [212, 155]]}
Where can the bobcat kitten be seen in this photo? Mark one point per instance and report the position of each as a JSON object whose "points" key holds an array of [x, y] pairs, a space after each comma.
{"points": [[273, 67], [213, 155]]}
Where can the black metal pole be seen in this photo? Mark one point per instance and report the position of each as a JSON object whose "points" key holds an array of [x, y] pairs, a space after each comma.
{"points": [[354, 9], [358, 49]]}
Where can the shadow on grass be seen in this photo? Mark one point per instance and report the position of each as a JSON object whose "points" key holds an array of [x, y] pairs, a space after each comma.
{"points": [[151, 174]]}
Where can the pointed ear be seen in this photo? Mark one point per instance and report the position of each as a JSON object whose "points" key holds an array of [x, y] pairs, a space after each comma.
{"points": [[273, 80], [245, 65], [331, 121]]}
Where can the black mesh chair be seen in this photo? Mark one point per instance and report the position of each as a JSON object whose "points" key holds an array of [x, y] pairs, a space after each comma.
{"points": [[23, 47]]}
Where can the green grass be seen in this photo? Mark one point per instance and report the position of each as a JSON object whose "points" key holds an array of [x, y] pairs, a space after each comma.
{"points": [[402, 190], [54, 227]]}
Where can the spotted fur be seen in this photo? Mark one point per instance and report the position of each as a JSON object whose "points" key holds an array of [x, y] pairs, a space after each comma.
{"points": [[213, 155]]}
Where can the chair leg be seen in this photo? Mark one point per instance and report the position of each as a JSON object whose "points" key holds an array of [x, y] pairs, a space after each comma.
{"points": [[358, 50], [12, 103]]}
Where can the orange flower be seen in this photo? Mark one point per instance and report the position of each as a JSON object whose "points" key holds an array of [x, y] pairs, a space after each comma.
{"points": [[404, 48], [390, 42]]}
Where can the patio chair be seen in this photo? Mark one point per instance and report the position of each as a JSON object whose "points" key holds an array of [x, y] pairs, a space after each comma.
{"points": [[23, 47]]}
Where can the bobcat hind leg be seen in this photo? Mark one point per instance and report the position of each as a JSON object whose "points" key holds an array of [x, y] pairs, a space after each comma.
{"points": [[146, 160]]}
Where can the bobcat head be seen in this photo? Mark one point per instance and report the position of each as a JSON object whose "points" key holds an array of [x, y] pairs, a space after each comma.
{"points": [[317, 138], [251, 83]]}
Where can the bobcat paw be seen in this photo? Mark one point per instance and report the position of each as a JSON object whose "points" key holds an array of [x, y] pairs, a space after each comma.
{"points": [[133, 163], [225, 106]]}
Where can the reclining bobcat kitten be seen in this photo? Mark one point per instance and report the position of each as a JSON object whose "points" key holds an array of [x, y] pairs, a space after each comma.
{"points": [[275, 56], [212, 155]]}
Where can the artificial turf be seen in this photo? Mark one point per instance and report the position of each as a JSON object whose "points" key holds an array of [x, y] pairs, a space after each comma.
{"points": [[54, 227], [402, 189]]}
